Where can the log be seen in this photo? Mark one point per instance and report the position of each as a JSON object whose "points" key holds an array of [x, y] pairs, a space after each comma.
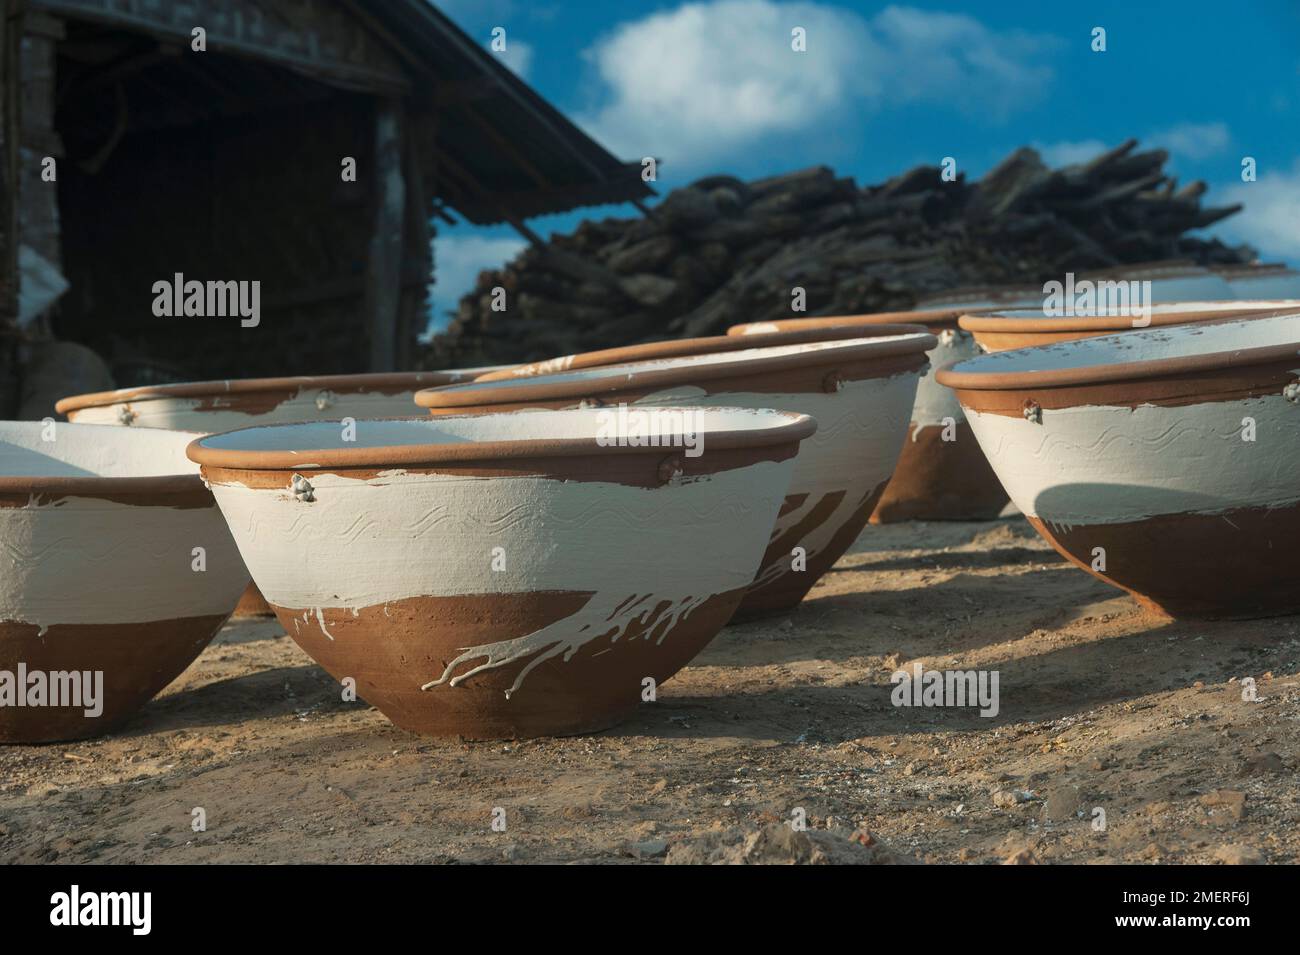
{"points": [[722, 250]]}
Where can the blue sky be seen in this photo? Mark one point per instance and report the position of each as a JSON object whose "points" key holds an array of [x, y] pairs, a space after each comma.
{"points": [[714, 86]]}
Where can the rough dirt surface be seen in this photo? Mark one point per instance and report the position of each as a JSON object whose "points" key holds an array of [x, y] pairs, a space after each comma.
{"points": [[1102, 706]]}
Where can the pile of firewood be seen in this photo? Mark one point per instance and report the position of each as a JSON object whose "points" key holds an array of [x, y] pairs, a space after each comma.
{"points": [[722, 251]]}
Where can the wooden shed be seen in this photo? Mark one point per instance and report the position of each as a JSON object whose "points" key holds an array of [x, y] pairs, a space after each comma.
{"points": [[227, 164]]}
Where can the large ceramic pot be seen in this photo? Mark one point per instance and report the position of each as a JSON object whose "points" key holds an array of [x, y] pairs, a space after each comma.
{"points": [[1163, 461], [212, 406], [859, 390], [118, 571], [941, 473], [504, 575], [1261, 281], [1026, 327]]}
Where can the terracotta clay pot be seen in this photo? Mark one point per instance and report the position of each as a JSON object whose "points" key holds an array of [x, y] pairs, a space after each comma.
{"points": [[859, 391], [212, 406], [1028, 327], [941, 472], [1261, 281], [504, 575], [1162, 461], [101, 529]]}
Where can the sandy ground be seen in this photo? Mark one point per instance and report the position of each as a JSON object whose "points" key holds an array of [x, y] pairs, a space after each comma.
{"points": [[1102, 706]]}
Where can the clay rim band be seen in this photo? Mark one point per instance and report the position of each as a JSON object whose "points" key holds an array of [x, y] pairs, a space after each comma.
{"points": [[870, 320], [154, 485], [1005, 321], [1267, 269], [992, 293], [1107, 373], [614, 378], [397, 381], [186, 485], [696, 347], [784, 427], [1137, 271]]}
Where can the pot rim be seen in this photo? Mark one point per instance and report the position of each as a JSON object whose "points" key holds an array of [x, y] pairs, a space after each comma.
{"points": [[611, 378], [1160, 268], [1007, 320], [188, 484], [158, 484], [1106, 373], [923, 317], [981, 292], [691, 347], [398, 380], [1248, 270], [781, 427]]}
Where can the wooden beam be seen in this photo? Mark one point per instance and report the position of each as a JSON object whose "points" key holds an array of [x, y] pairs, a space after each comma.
{"points": [[441, 212], [384, 275], [319, 39], [467, 183], [458, 92], [110, 74], [393, 43], [526, 204], [571, 264], [506, 79], [509, 148]]}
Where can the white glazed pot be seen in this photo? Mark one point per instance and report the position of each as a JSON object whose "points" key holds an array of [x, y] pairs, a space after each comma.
{"points": [[860, 391], [215, 406], [118, 564], [1163, 461], [503, 575]]}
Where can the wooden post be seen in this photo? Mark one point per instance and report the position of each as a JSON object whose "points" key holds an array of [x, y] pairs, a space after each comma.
{"points": [[384, 275], [419, 230], [11, 24], [38, 200]]}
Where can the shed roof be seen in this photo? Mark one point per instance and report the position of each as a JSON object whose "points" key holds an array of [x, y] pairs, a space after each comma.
{"points": [[501, 151], [504, 148]]}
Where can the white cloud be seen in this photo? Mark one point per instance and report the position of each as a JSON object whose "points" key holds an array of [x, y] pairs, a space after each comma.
{"points": [[1192, 140], [1270, 220], [457, 261], [953, 57], [517, 56], [1069, 153], [706, 79]]}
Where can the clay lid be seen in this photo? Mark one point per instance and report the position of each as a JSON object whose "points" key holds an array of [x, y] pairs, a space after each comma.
{"points": [[675, 372], [681, 347], [411, 442], [380, 381], [1027, 320], [1146, 353], [145, 466]]}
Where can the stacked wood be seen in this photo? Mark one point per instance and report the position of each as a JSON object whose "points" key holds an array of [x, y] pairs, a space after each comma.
{"points": [[722, 251]]}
